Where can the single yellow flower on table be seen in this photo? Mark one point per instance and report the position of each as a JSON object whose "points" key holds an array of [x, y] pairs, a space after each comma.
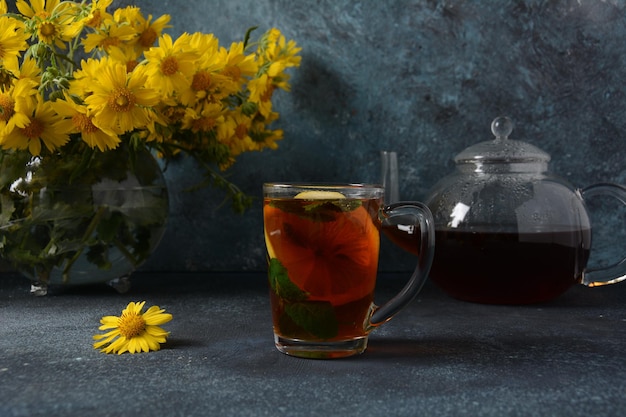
{"points": [[133, 331]]}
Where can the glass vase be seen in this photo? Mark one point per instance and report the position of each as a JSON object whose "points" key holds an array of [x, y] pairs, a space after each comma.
{"points": [[88, 218]]}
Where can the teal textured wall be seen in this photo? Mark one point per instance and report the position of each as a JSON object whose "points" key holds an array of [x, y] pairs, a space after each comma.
{"points": [[424, 78]]}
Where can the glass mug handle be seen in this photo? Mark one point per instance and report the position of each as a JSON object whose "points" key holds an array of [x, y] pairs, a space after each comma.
{"points": [[613, 273], [423, 223]]}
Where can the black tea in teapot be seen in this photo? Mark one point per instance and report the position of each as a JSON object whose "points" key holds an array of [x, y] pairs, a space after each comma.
{"points": [[508, 231]]}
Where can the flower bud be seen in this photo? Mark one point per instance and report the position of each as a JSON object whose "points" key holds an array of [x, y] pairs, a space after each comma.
{"points": [[248, 108]]}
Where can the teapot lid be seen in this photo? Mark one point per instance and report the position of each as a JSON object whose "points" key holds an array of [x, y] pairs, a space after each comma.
{"points": [[502, 149]]}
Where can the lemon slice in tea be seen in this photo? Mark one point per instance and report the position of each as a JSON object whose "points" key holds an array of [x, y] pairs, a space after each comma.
{"points": [[335, 260]]}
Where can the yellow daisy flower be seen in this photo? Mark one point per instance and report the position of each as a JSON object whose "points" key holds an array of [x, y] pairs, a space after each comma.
{"points": [[251, 134], [44, 126], [86, 76], [119, 100], [209, 118], [261, 91], [158, 132], [82, 122], [265, 138], [133, 331], [287, 52], [3, 7], [112, 34], [14, 106], [97, 13], [206, 83], [239, 140], [276, 55], [127, 15], [50, 32], [149, 31], [125, 54], [12, 42], [170, 65], [48, 21], [237, 67], [209, 45], [29, 70], [238, 64], [79, 16], [39, 8]]}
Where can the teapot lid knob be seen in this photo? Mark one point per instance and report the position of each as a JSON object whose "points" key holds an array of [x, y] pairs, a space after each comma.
{"points": [[501, 149], [501, 127]]}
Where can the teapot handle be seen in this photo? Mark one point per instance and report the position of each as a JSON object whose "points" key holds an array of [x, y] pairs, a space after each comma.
{"points": [[613, 273]]}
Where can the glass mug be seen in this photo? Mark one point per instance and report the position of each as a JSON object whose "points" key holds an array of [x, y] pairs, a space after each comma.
{"points": [[322, 245]]}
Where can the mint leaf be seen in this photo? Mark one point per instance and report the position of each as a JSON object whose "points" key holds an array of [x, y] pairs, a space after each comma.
{"points": [[282, 285], [343, 205], [318, 210], [316, 317]]}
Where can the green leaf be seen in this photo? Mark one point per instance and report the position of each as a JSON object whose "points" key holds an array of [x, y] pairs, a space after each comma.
{"points": [[319, 210], [98, 255], [246, 38], [7, 207], [316, 317], [282, 285], [108, 227], [342, 205]]}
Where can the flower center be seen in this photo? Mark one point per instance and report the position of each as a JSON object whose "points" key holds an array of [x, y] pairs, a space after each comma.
{"points": [[201, 81], [232, 72], [95, 20], [147, 37], [204, 124], [267, 94], [47, 30], [174, 114], [6, 77], [34, 129], [131, 65], [131, 325], [122, 100], [169, 66], [107, 43], [83, 123], [241, 130], [7, 107]]}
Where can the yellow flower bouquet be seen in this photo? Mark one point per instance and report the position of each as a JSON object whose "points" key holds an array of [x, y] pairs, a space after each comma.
{"points": [[80, 85]]}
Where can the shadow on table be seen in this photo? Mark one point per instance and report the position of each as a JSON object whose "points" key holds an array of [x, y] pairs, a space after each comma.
{"points": [[466, 348]]}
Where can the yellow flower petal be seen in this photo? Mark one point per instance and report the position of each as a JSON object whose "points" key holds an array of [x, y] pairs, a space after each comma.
{"points": [[133, 331]]}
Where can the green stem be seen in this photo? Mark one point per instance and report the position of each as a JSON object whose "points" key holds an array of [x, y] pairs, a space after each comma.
{"points": [[120, 246], [92, 226], [42, 275]]}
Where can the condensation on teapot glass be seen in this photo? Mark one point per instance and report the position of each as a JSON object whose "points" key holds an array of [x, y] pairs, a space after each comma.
{"points": [[502, 149]]}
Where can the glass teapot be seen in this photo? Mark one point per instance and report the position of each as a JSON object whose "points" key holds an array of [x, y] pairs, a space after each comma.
{"points": [[510, 232]]}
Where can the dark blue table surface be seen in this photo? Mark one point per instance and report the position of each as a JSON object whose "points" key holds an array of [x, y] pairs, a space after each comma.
{"points": [[438, 357]]}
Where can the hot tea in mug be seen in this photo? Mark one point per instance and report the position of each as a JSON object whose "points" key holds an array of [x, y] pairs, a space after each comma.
{"points": [[322, 247]]}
